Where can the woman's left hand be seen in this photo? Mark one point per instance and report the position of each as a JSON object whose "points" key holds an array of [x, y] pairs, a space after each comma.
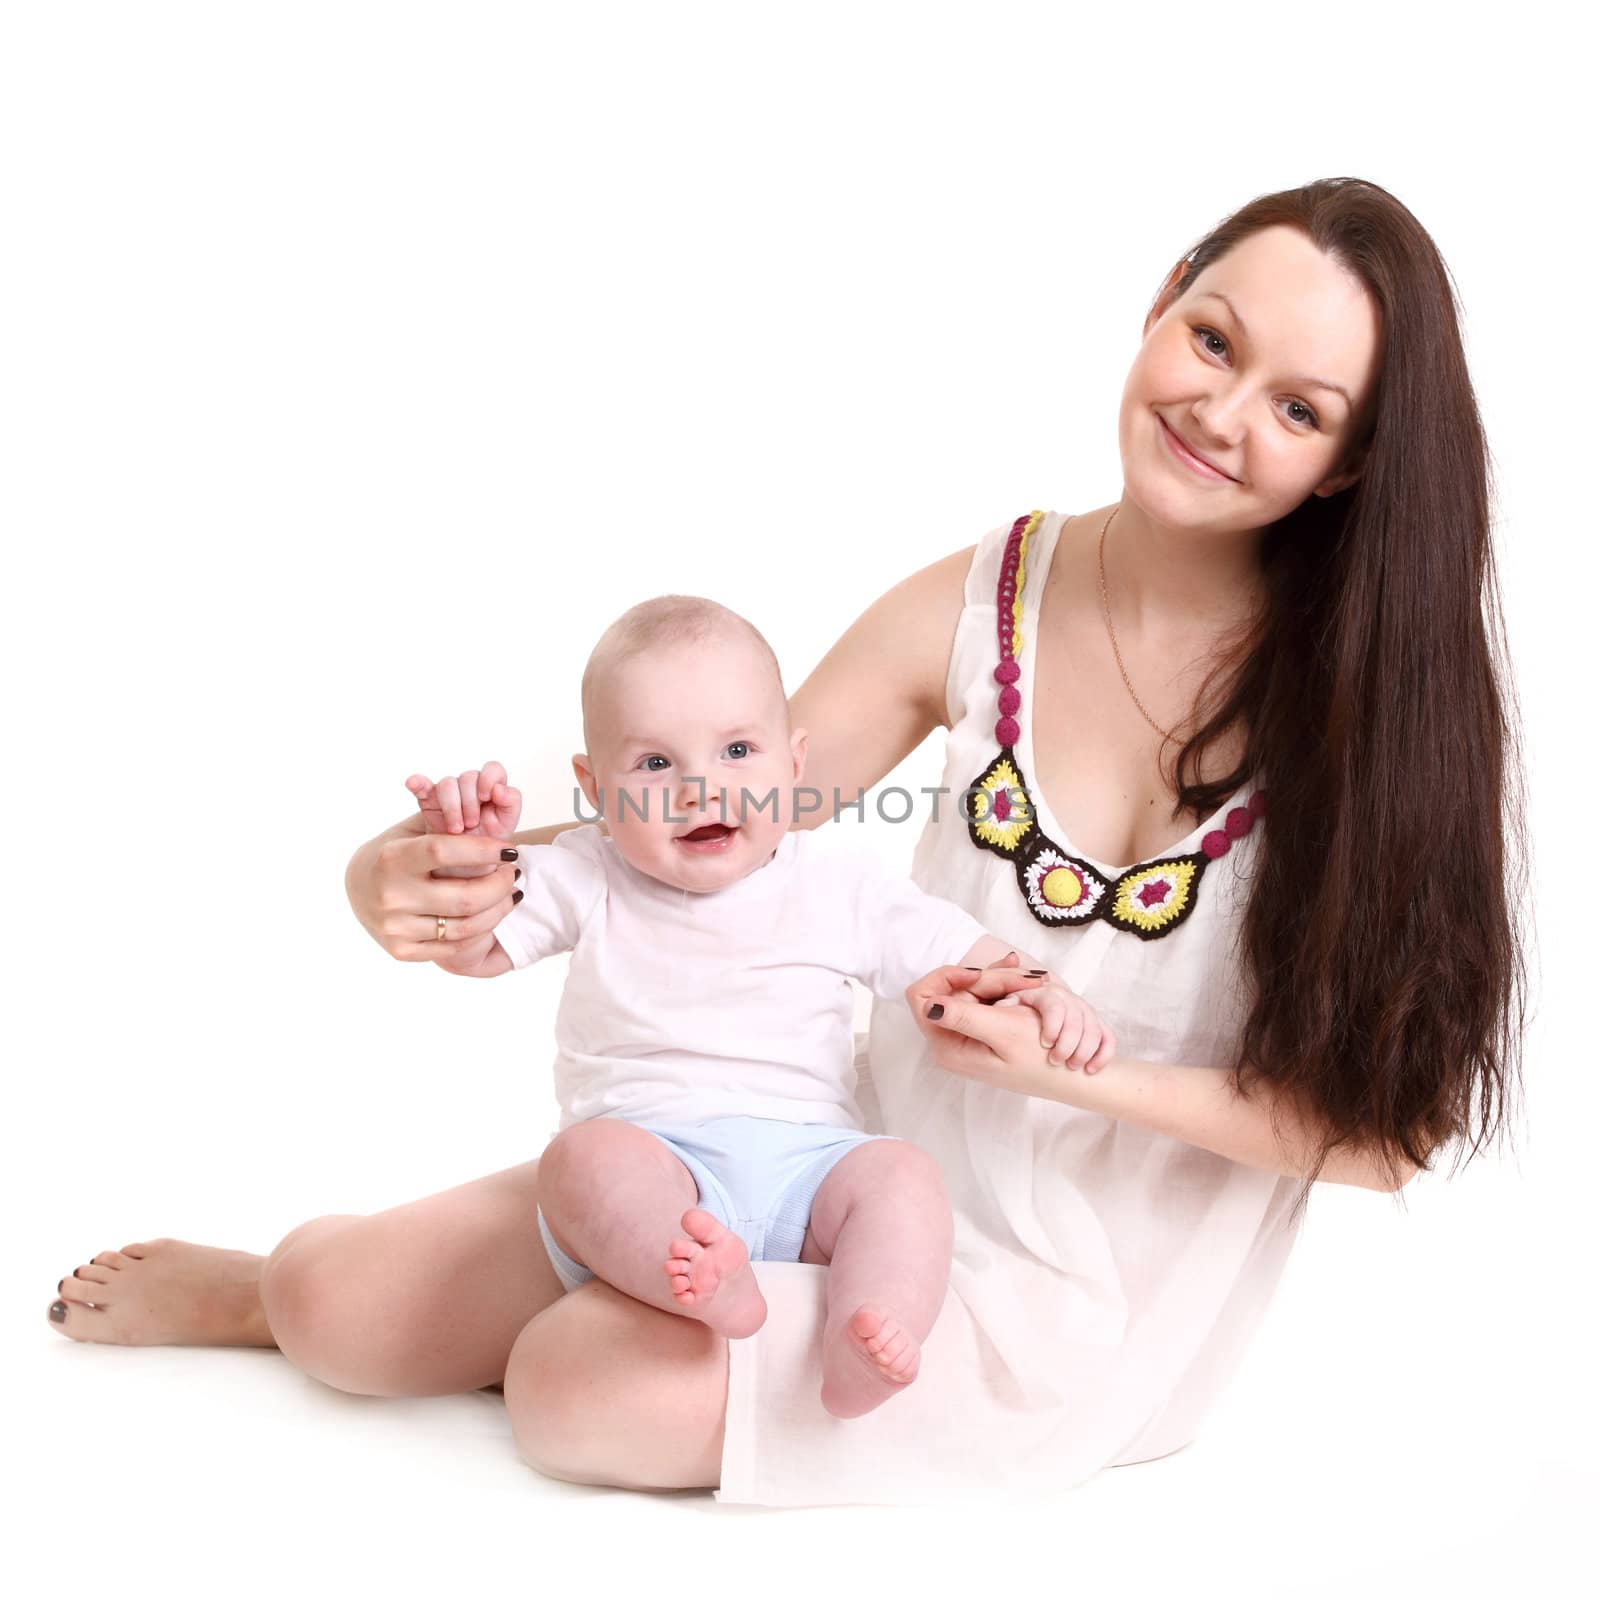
{"points": [[994, 1044]]}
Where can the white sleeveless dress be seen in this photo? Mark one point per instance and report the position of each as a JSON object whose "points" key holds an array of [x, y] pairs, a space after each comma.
{"points": [[1106, 1278]]}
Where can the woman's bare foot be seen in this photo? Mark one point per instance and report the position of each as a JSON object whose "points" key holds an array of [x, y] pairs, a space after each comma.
{"points": [[871, 1358], [164, 1292], [711, 1277]]}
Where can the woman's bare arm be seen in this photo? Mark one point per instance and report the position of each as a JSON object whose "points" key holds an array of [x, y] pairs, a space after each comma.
{"points": [[879, 692], [1198, 1104]]}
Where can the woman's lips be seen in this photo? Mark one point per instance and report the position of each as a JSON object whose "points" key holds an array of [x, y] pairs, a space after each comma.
{"points": [[1183, 453]]}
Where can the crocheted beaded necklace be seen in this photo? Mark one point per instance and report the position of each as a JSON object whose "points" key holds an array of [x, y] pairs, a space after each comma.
{"points": [[1060, 889]]}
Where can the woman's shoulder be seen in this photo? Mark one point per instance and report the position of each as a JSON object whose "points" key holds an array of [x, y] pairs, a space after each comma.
{"points": [[1035, 532]]}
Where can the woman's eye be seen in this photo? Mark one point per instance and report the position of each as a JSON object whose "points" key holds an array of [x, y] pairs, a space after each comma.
{"points": [[1309, 417], [738, 744]]}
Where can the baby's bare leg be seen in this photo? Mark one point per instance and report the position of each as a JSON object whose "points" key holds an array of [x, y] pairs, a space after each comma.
{"points": [[881, 1220], [615, 1198]]}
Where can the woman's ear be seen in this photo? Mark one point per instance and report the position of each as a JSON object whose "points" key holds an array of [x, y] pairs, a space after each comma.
{"points": [[1169, 292], [1341, 480]]}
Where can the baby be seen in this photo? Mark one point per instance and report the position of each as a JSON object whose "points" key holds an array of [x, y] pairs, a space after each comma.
{"points": [[705, 1065]]}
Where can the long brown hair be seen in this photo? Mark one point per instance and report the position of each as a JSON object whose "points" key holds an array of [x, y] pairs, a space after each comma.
{"points": [[1382, 930]]}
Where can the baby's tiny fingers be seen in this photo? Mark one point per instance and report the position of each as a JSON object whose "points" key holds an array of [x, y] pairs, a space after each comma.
{"points": [[1087, 1045], [448, 798], [1108, 1048], [1067, 1042], [468, 788]]}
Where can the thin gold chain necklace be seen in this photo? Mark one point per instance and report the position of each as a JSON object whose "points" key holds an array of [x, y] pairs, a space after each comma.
{"points": [[1105, 604]]}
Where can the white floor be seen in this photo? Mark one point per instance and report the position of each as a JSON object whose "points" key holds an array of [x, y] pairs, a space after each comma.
{"points": [[1395, 1431]]}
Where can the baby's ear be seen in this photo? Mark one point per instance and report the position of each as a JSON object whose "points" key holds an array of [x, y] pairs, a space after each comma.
{"points": [[584, 773], [797, 749]]}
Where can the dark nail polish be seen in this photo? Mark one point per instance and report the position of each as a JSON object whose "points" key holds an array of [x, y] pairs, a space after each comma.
{"points": [[508, 854], [1036, 972], [935, 1011], [58, 1312], [516, 874], [972, 969], [58, 1285], [516, 897]]}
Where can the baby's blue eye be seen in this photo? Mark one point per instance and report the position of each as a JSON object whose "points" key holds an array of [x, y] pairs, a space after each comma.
{"points": [[654, 758], [739, 744]]}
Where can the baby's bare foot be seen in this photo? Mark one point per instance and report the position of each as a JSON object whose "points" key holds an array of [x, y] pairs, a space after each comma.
{"points": [[872, 1357], [711, 1278], [164, 1292]]}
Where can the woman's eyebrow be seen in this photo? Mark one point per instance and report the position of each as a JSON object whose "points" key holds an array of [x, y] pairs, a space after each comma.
{"points": [[1310, 383]]}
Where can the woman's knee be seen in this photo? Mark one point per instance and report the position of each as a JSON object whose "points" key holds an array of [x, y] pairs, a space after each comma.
{"points": [[603, 1389], [320, 1312]]}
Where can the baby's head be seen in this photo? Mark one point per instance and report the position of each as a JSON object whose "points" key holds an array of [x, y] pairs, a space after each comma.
{"points": [[686, 725]]}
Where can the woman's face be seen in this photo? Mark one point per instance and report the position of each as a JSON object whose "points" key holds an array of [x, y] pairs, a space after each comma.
{"points": [[1238, 370]]}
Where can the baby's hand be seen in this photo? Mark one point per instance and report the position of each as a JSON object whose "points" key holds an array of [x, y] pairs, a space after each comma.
{"points": [[1068, 1026], [476, 802]]}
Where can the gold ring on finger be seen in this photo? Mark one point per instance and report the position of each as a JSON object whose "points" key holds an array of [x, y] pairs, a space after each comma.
{"points": [[440, 933]]}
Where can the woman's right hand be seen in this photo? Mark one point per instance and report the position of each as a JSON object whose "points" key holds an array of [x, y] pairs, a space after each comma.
{"points": [[398, 899]]}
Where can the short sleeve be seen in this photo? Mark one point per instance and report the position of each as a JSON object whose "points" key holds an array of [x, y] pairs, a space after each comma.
{"points": [[903, 931], [562, 884]]}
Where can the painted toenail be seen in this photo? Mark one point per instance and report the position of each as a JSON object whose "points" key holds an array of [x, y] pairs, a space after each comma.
{"points": [[58, 1312]]}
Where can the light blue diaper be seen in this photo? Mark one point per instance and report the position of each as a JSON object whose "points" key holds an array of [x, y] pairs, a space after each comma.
{"points": [[756, 1176]]}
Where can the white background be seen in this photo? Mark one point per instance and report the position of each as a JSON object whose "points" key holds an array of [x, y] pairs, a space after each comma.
{"points": [[360, 364]]}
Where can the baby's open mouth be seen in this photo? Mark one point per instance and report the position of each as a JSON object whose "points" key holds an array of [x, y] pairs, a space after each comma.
{"points": [[712, 830]]}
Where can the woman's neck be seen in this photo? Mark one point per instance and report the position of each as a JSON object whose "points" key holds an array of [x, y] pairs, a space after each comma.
{"points": [[1176, 581]]}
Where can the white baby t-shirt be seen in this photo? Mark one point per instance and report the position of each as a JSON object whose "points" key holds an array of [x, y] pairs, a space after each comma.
{"points": [[681, 1006]]}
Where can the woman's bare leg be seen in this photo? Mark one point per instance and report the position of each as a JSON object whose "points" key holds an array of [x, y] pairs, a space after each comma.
{"points": [[604, 1389], [425, 1298]]}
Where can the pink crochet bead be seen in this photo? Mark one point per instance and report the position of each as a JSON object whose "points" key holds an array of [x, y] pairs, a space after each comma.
{"points": [[1216, 844], [1007, 672], [1010, 699], [1007, 731], [1258, 803], [1238, 822]]}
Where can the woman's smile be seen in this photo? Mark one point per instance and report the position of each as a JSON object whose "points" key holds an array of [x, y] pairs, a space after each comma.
{"points": [[1184, 454]]}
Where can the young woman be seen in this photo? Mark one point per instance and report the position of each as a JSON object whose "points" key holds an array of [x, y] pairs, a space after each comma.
{"points": [[1233, 755]]}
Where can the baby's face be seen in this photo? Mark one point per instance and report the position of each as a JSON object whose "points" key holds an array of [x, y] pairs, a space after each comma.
{"points": [[687, 736]]}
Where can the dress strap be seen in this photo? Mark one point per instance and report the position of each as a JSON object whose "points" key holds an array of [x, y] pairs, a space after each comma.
{"points": [[1008, 621]]}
